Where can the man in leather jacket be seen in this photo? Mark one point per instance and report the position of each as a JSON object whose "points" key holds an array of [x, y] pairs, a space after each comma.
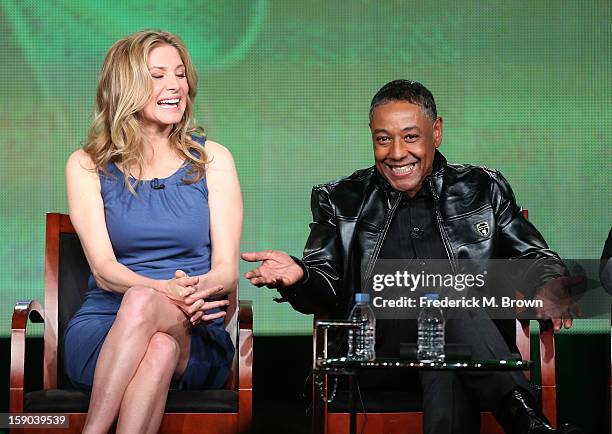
{"points": [[370, 214]]}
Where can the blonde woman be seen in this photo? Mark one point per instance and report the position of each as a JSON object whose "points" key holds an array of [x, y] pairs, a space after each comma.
{"points": [[158, 210]]}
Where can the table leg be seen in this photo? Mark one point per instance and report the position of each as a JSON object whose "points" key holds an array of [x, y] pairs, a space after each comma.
{"points": [[352, 404]]}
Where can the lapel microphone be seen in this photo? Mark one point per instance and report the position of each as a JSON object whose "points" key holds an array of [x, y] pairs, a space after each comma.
{"points": [[155, 184]]}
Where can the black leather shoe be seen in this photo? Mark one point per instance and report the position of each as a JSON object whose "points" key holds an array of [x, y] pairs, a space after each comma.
{"points": [[518, 413], [568, 428]]}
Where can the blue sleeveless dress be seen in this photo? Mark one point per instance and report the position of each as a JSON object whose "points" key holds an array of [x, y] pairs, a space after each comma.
{"points": [[153, 233]]}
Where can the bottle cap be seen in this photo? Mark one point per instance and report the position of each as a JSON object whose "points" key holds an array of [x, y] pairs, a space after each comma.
{"points": [[362, 297], [432, 296]]}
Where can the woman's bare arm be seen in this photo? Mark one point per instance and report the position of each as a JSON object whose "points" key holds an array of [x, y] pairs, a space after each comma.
{"points": [[225, 204], [87, 214]]}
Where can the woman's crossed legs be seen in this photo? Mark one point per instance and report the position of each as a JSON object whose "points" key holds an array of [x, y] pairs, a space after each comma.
{"points": [[148, 345]]}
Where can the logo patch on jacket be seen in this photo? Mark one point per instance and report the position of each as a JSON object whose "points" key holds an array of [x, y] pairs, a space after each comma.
{"points": [[482, 228]]}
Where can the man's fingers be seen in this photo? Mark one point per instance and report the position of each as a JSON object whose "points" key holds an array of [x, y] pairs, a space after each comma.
{"points": [[570, 281], [559, 318], [258, 256], [251, 256], [273, 284], [567, 318], [260, 273], [255, 272], [539, 314], [263, 281]]}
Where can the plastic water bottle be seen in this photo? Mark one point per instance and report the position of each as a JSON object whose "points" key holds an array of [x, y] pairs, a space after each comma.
{"points": [[430, 344], [361, 340]]}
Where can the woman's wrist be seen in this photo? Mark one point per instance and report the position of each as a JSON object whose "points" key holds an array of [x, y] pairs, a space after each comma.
{"points": [[161, 285], [202, 283]]}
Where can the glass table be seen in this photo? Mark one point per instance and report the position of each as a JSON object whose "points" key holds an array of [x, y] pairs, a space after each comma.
{"points": [[352, 368], [340, 364]]}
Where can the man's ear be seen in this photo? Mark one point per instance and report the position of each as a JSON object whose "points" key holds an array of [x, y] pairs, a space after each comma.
{"points": [[437, 132]]}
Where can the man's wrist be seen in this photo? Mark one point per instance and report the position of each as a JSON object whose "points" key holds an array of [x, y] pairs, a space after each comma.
{"points": [[541, 272], [290, 292], [306, 274]]}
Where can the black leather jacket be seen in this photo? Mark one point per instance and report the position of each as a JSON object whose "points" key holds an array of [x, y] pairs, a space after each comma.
{"points": [[351, 217]]}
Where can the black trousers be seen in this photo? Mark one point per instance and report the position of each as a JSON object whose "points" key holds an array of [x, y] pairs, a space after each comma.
{"points": [[452, 401]]}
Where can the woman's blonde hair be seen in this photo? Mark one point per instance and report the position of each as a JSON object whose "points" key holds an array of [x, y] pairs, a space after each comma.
{"points": [[124, 87]]}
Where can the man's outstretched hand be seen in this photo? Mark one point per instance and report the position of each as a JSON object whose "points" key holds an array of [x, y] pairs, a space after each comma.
{"points": [[559, 307], [277, 269]]}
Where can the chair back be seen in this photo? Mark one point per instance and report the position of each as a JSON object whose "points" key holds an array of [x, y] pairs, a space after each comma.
{"points": [[66, 275], [66, 283]]}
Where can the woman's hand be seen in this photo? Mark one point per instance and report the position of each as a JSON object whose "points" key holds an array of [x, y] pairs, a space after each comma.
{"points": [[198, 306], [181, 286]]}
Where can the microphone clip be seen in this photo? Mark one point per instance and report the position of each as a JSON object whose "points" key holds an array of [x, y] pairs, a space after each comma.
{"points": [[156, 185]]}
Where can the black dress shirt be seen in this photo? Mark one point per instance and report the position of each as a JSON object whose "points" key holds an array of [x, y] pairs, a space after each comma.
{"points": [[413, 234]]}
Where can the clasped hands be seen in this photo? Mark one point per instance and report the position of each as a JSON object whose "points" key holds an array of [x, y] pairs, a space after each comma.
{"points": [[184, 292]]}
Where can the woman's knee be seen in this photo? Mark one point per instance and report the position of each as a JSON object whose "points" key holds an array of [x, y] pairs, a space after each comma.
{"points": [[163, 352], [138, 305]]}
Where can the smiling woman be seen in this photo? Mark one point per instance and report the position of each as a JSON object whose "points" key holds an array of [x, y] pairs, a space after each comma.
{"points": [[138, 74], [160, 224], [170, 88]]}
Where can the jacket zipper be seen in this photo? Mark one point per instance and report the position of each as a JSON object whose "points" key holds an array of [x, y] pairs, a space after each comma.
{"points": [[380, 240], [443, 234]]}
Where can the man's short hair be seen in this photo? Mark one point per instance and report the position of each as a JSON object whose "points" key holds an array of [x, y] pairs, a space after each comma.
{"points": [[405, 90]]}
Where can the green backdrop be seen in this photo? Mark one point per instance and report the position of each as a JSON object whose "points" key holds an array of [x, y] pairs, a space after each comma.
{"points": [[523, 86]]}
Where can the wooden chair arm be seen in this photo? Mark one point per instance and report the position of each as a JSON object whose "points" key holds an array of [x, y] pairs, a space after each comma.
{"points": [[245, 314], [523, 342], [23, 310], [245, 345], [549, 372], [245, 363]]}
